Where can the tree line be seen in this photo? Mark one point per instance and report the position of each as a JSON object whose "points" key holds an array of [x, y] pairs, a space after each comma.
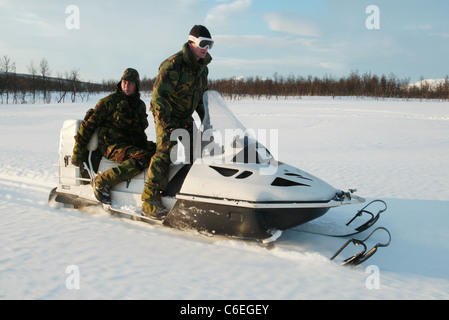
{"points": [[39, 86], [356, 84]]}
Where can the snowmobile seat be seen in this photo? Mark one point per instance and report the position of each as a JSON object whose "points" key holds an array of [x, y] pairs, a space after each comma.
{"points": [[92, 146], [96, 161], [93, 142], [95, 157]]}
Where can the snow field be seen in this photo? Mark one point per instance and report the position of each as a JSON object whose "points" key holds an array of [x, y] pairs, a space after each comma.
{"points": [[394, 150]]}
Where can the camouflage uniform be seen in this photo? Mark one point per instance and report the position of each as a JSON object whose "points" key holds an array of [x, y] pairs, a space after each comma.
{"points": [[177, 94], [121, 121]]}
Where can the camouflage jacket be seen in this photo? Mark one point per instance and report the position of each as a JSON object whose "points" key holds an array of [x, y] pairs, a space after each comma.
{"points": [[121, 121], [178, 89]]}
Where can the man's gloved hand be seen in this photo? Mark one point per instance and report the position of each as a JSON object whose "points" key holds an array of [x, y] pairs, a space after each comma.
{"points": [[79, 155], [151, 146]]}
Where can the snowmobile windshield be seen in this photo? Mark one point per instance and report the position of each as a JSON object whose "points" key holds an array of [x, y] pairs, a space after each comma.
{"points": [[223, 135]]}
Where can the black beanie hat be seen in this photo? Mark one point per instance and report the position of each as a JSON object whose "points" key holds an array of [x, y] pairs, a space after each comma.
{"points": [[200, 31]]}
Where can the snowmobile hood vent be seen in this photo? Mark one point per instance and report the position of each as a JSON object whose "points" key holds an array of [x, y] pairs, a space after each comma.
{"points": [[281, 182], [229, 172], [244, 175], [297, 175], [225, 172]]}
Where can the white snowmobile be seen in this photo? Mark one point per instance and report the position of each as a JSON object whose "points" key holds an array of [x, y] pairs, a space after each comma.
{"points": [[234, 187]]}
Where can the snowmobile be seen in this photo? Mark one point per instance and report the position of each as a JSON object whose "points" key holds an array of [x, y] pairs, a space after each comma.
{"points": [[231, 185]]}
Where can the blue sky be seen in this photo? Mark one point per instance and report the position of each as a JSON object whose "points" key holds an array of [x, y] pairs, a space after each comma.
{"points": [[253, 37]]}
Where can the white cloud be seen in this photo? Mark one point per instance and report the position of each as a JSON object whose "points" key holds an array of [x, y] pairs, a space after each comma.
{"points": [[418, 27], [39, 25], [425, 27], [247, 41], [291, 23], [223, 12], [267, 66], [331, 65], [250, 41]]}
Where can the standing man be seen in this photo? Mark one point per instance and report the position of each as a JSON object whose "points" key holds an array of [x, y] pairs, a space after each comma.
{"points": [[177, 94], [121, 120]]}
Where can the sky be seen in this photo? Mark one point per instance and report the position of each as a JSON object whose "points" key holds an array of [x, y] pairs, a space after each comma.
{"points": [[100, 39]]}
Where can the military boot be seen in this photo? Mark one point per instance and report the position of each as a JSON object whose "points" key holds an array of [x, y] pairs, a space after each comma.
{"points": [[152, 206], [104, 182], [102, 190]]}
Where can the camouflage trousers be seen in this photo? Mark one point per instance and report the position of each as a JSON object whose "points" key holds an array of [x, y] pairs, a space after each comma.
{"points": [[157, 177], [132, 160]]}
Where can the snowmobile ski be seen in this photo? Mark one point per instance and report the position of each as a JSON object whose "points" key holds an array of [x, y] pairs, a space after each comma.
{"points": [[347, 230], [363, 255]]}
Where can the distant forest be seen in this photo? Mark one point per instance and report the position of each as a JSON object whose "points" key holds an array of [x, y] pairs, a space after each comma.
{"points": [[38, 86], [356, 84]]}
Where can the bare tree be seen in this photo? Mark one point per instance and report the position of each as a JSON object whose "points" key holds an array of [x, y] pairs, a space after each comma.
{"points": [[45, 73], [62, 87], [73, 78], [446, 88], [8, 68], [32, 69]]}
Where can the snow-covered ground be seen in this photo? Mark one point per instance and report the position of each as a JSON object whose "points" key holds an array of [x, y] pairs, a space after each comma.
{"points": [[394, 150]]}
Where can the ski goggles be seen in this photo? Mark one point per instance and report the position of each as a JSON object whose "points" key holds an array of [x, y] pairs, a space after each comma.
{"points": [[202, 42]]}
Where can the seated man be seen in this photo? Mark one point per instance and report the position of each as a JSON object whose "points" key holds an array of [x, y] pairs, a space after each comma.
{"points": [[121, 120]]}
